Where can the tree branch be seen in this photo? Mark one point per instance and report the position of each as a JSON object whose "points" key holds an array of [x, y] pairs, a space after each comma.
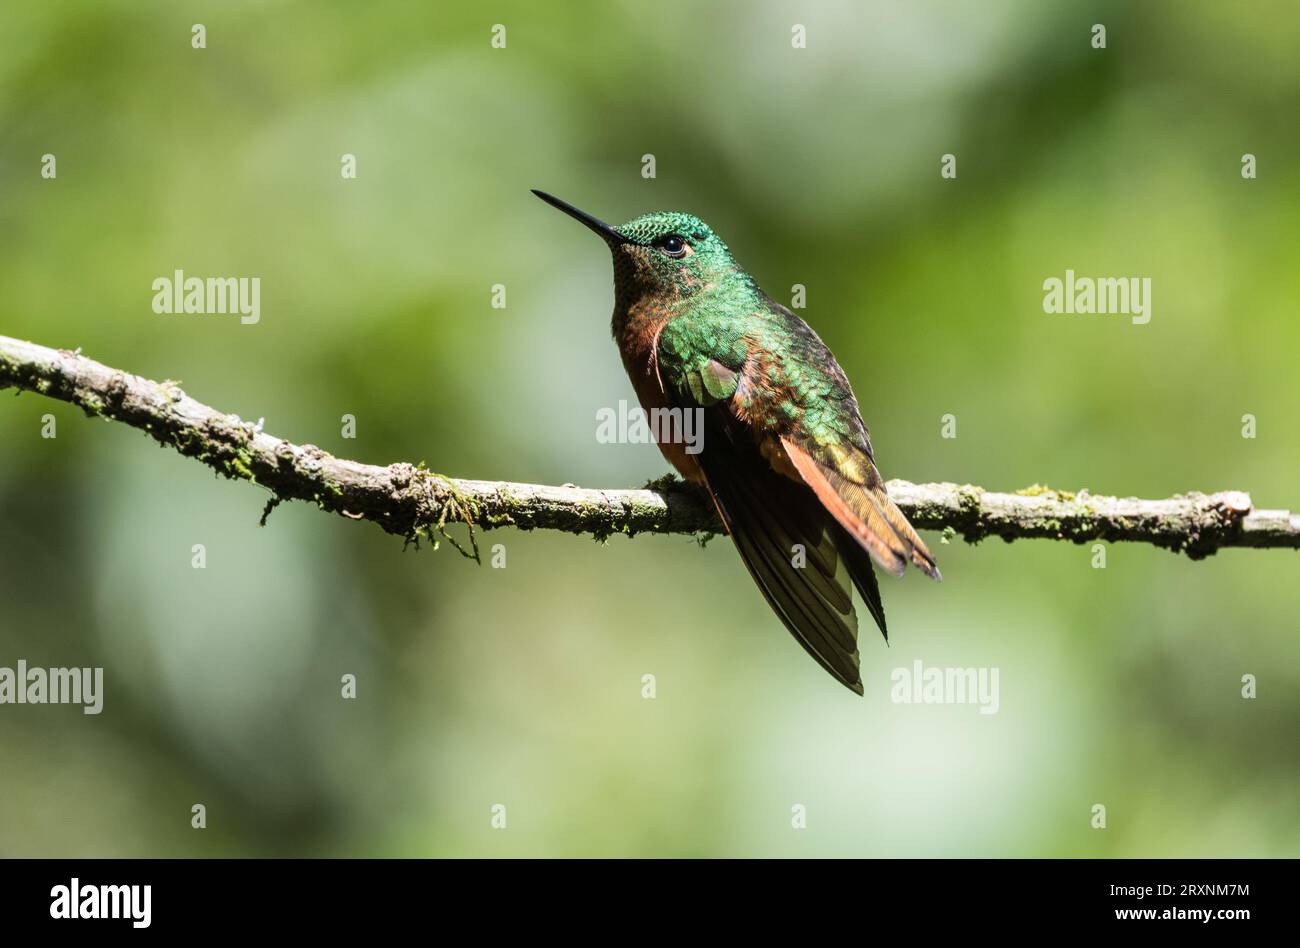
{"points": [[411, 502]]}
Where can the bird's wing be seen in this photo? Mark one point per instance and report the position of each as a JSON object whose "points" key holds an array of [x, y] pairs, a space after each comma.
{"points": [[795, 550], [828, 445]]}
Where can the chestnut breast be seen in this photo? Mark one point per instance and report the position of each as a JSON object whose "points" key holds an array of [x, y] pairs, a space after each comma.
{"points": [[637, 335]]}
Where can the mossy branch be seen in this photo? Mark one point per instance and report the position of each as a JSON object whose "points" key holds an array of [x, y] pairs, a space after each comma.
{"points": [[411, 502]]}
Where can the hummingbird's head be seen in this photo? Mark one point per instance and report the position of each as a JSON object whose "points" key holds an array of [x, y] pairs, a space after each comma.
{"points": [[662, 252]]}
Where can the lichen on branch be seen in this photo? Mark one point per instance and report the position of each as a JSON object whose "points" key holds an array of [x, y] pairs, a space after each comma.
{"points": [[409, 501]]}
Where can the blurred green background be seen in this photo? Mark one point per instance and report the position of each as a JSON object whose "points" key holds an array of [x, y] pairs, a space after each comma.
{"points": [[522, 686]]}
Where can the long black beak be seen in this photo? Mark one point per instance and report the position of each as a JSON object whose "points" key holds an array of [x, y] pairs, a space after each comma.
{"points": [[599, 226]]}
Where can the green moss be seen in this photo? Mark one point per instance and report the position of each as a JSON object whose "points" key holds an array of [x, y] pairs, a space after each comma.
{"points": [[238, 467], [456, 506], [92, 405], [665, 483], [969, 497], [1042, 490], [188, 443]]}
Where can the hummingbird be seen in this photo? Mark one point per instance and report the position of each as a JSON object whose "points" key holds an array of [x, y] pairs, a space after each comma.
{"points": [[785, 455]]}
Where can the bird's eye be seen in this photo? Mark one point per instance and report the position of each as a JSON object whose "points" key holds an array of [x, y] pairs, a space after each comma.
{"points": [[673, 246]]}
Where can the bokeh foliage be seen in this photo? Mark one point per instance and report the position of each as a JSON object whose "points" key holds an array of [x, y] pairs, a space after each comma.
{"points": [[522, 686]]}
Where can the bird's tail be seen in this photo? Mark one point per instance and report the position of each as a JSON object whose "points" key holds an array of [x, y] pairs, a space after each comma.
{"points": [[855, 495]]}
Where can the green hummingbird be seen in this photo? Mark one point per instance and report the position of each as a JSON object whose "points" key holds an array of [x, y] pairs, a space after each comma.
{"points": [[785, 454]]}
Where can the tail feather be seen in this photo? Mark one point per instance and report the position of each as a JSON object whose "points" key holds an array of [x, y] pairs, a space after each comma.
{"points": [[857, 563], [866, 511], [840, 520], [920, 554], [771, 520]]}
